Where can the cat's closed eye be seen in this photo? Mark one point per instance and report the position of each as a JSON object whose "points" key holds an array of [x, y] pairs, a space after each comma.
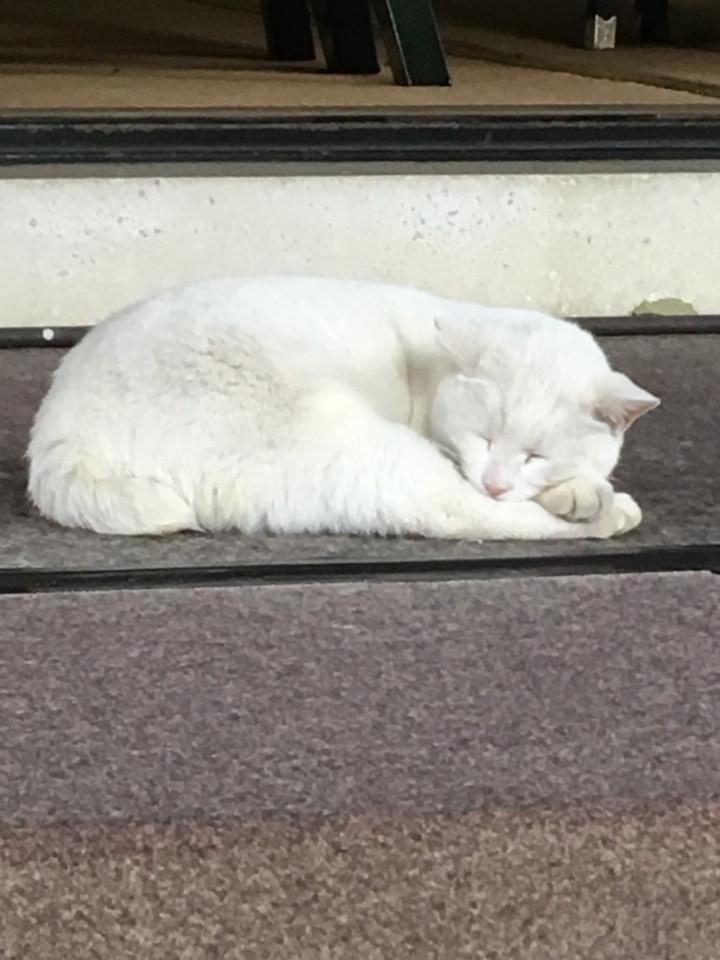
{"points": [[534, 457]]}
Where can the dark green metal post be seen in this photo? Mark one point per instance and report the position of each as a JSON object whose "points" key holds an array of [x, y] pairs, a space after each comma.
{"points": [[413, 42]]}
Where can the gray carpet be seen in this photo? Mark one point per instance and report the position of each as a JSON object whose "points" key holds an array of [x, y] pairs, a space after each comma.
{"points": [[671, 465], [488, 770], [505, 886], [384, 699]]}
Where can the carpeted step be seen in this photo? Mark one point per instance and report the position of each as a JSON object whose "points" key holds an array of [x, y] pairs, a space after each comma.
{"points": [[671, 466], [401, 765], [391, 698], [508, 768], [502, 886]]}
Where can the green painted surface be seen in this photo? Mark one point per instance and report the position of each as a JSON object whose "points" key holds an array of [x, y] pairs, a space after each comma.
{"points": [[666, 307]]}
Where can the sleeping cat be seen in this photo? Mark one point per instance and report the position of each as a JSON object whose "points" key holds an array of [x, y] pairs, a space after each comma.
{"points": [[288, 405]]}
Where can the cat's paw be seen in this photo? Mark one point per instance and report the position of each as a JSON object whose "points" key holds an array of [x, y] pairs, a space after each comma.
{"points": [[622, 516], [581, 498], [630, 509]]}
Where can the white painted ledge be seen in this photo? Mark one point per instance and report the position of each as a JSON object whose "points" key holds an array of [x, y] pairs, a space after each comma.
{"points": [[73, 250]]}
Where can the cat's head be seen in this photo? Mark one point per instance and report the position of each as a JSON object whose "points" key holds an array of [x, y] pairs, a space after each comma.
{"points": [[533, 402]]}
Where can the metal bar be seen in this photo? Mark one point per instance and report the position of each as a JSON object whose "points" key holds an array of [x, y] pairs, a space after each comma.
{"points": [[648, 559], [648, 325], [135, 142], [346, 35], [654, 20], [288, 30], [413, 42]]}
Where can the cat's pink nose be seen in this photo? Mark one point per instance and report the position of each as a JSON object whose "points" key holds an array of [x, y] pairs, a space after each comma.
{"points": [[496, 489]]}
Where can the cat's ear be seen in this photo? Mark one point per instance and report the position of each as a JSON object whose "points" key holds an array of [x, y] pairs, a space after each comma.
{"points": [[620, 402], [461, 340]]}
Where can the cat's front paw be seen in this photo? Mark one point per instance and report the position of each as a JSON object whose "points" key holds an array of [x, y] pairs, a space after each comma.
{"points": [[622, 516], [582, 498]]}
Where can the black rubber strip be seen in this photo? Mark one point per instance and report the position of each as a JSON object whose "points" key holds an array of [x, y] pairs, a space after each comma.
{"points": [[446, 135], [21, 338], [651, 325], [698, 557], [643, 326]]}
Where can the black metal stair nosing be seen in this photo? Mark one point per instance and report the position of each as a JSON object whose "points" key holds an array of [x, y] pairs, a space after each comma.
{"points": [[648, 325], [663, 559], [169, 139]]}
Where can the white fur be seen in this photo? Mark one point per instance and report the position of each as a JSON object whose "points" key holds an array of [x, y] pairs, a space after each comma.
{"points": [[305, 405]]}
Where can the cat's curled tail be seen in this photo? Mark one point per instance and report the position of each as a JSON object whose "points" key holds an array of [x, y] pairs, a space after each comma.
{"points": [[78, 491]]}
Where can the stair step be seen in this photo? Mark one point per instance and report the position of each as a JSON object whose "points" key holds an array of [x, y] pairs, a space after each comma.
{"points": [[577, 242], [670, 464], [366, 747], [387, 699], [501, 885]]}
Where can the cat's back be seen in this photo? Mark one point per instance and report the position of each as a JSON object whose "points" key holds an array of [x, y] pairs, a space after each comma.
{"points": [[215, 333], [278, 312], [251, 339]]}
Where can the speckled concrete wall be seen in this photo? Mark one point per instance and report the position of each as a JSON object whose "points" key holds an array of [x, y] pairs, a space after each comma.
{"points": [[72, 250]]}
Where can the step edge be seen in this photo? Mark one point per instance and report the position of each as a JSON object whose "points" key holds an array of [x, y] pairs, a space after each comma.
{"points": [[629, 326], [168, 138], [688, 558]]}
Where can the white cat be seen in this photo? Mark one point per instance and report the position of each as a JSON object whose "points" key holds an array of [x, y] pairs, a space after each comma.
{"points": [[295, 405]]}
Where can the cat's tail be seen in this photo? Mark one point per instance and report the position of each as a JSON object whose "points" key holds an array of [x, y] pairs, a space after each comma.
{"points": [[78, 494]]}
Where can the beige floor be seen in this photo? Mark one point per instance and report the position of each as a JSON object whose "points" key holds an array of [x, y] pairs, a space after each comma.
{"points": [[475, 83], [56, 65], [684, 70]]}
